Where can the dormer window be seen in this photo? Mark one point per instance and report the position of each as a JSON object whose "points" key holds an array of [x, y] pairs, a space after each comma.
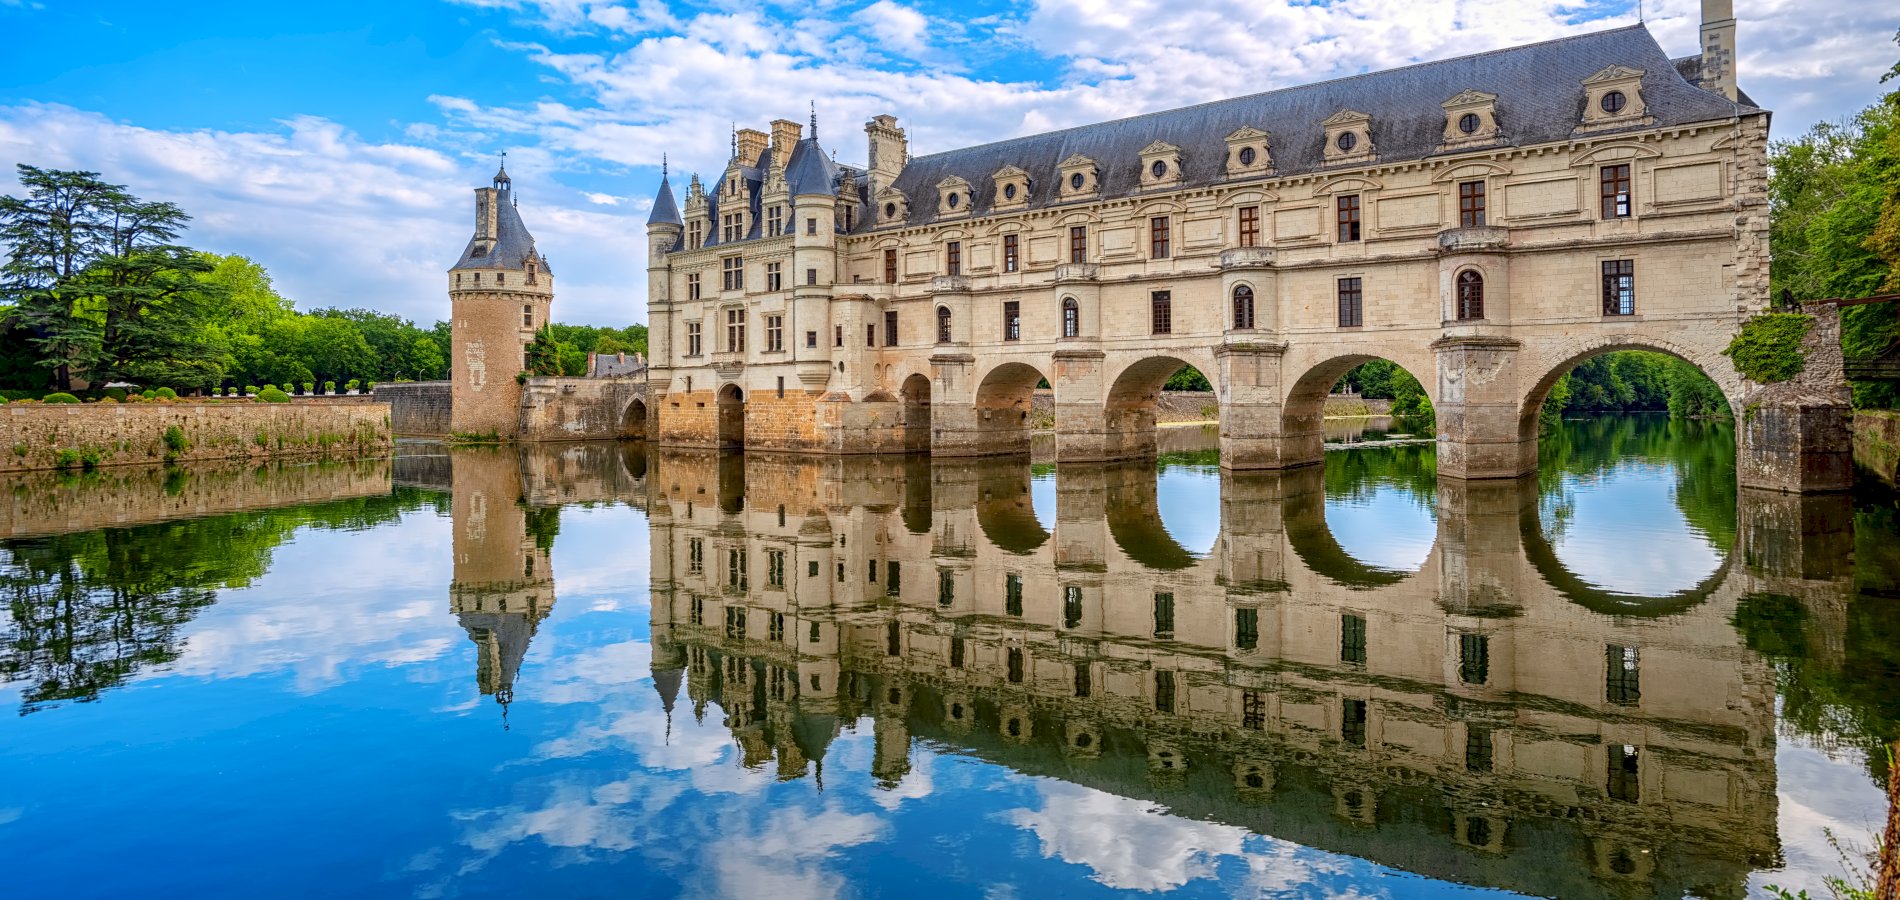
{"points": [[1613, 102], [1246, 156], [952, 196], [1160, 165], [1075, 181], [1159, 170], [1468, 123], [1247, 153], [1471, 118], [1079, 176], [1346, 142], [1349, 138], [1613, 98], [1011, 186]]}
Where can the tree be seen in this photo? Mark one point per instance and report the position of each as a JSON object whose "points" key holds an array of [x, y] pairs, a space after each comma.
{"points": [[53, 234]]}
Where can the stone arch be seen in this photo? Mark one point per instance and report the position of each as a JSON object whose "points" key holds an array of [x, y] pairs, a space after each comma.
{"points": [[1134, 519], [1303, 415], [731, 418], [1548, 565], [1133, 397], [1555, 364], [633, 420], [1005, 396], [1313, 540], [1005, 511], [916, 393]]}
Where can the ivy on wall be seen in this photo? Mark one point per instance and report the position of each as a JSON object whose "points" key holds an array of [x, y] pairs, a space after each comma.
{"points": [[1768, 350]]}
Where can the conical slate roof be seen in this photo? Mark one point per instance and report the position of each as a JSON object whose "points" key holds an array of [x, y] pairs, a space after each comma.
{"points": [[665, 211], [512, 244]]}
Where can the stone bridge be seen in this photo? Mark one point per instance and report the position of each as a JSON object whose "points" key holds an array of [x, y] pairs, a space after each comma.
{"points": [[550, 408]]}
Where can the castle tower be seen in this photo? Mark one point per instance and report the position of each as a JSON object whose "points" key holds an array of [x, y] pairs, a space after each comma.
{"points": [[665, 230], [500, 292], [503, 582]]}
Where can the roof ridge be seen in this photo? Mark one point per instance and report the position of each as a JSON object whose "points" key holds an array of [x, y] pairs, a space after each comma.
{"points": [[1295, 87]]}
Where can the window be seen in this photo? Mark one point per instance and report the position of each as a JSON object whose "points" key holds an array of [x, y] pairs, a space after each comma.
{"points": [[695, 236], [1347, 141], [1471, 204], [956, 652], [1082, 682], [1076, 181], [1009, 192], [1078, 243], [696, 614], [811, 276], [1352, 722], [736, 563], [692, 339], [953, 258], [1352, 303], [1010, 257], [1159, 169], [893, 639], [1158, 238], [692, 286], [775, 221], [732, 273], [1352, 639], [1161, 312], [1474, 658], [1014, 664], [890, 210], [1625, 774], [781, 396], [735, 622], [1164, 615], [1012, 320], [527, 316], [1613, 102], [1348, 207], [695, 556], [1243, 307], [1249, 226], [1246, 628], [838, 335], [774, 276], [1071, 606], [1071, 318], [890, 266], [1622, 683], [811, 338], [1469, 122], [729, 227], [1164, 690], [1614, 182], [1477, 748], [954, 199], [1470, 295], [890, 328], [1013, 594], [1246, 156], [735, 331], [893, 579], [943, 324], [1619, 287], [870, 335], [775, 577], [871, 577], [774, 333], [811, 226], [946, 587]]}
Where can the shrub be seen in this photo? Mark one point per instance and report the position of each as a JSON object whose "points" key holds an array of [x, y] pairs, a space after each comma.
{"points": [[175, 441], [309, 388], [1769, 348], [250, 389], [369, 386], [329, 387], [66, 459], [273, 395], [351, 385], [148, 394], [91, 457], [59, 397], [116, 393], [166, 393]]}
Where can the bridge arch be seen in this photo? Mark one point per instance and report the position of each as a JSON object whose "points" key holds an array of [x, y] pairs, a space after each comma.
{"points": [[1131, 403], [1554, 365], [731, 418], [1313, 539], [1303, 414], [915, 391], [633, 420], [1005, 396]]}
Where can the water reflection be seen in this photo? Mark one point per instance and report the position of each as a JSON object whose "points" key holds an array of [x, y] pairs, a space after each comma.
{"points": [[1152, 677]]}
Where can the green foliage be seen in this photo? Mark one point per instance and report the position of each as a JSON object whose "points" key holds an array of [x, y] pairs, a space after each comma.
{"points": [[329, 387], [115, 393], [250, 389], [66, 459], [59, 397], [1633, 381], [175, 441], [543, 523], [351, 385], [1187, 378], [1768, 350], [474, 437], [148, 395], [309, 387], [166, 393], [273, 395], [1383, 379]]}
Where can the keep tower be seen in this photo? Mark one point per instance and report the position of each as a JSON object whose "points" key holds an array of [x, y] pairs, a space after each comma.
{"points": [[500, 293]]}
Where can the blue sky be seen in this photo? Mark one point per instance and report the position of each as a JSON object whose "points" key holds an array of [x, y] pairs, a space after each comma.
{"points": [[336, 143]]}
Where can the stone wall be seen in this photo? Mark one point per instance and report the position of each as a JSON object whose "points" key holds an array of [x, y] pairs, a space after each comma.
{"points": [[417, 407], [583, 409], [42, 436], [1877, 442], [45, 503]]}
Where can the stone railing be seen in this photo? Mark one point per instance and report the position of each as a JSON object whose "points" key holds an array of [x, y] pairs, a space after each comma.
{"points": [[1461, 240], [1077, 272], [949, 284], [1246, 257]]}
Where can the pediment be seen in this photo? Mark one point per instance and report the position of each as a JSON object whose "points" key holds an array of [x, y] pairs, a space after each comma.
{"points": [[1008, 172], [1159, 148], [1077, 161], [952, 182], [1615, 153], [1469, 97], [1470, 171], [1614, 73], [1244, 134], [890, 193], [1346, 117], [1348, 183]]}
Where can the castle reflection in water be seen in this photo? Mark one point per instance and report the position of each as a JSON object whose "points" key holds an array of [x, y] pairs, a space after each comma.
{"points": [[1488, 718]]}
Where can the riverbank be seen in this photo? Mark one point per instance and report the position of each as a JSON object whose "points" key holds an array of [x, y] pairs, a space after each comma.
{"points": [[1877, 442], [42, 436]]}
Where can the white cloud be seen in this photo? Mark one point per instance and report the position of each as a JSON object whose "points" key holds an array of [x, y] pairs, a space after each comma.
{"points": [[1129, 844]]}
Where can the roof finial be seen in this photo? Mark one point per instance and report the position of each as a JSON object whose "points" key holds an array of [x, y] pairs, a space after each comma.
{"points": [[663, 167], [735, 140], [814, 120]]}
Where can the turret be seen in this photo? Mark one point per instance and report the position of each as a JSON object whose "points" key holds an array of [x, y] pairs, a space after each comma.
{"points": [[501, 291]]}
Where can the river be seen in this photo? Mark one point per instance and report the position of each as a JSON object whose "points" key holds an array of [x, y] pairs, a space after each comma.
{"points": [[598, 669]]}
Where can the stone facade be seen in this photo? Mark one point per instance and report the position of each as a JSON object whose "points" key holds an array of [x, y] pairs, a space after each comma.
{"points": [[33, 436], [418, 407], [1485, 231], [500, 292], [46, 503]]}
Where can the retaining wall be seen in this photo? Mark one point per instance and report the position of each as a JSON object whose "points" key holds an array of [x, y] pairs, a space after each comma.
{"points": [[582, 409], [1877, 442], [44, 503], [43, 435], [417, 407]]}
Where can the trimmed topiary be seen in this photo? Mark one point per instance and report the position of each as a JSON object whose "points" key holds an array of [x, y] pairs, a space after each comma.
{"points": [[250, 389], [59, 397], [369, 386], [166, 393], [309, 388], [352, 385], [115, 393], [273, 395], [329, 387]]}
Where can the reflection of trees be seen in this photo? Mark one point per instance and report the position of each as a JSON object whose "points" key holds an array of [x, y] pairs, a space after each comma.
{"points": [[88, 609], [1841, 695], [1701, 454], [1359, 474]]}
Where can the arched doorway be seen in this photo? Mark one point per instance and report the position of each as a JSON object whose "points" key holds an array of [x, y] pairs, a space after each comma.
{"points": [[731, 418], [1005, 400], [1133, 407], [916, 391], [633, 422]]}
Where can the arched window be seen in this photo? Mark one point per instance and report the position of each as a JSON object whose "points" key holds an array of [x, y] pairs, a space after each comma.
{"points": [[1243, 307], [1071, 318], [943, 324], [1470, 295]]}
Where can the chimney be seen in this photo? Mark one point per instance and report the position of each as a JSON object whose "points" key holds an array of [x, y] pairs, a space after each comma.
{"points": [[785, 133], [751, 146], [889, 151], [485, 213], [1718, 47]]}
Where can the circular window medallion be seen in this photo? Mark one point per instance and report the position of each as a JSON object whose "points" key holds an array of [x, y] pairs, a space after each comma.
{"points": [[1009, 192], [890, 210], [1347, 141], [1613, 102], [1076, 180], [1468, 123], [1159, 169], [953, 200], [1246, 156]]}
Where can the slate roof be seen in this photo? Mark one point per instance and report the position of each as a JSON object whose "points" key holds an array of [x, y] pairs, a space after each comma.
{"points": [[665, 211], [810, 170], [1540, 100], [512, 245]]}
